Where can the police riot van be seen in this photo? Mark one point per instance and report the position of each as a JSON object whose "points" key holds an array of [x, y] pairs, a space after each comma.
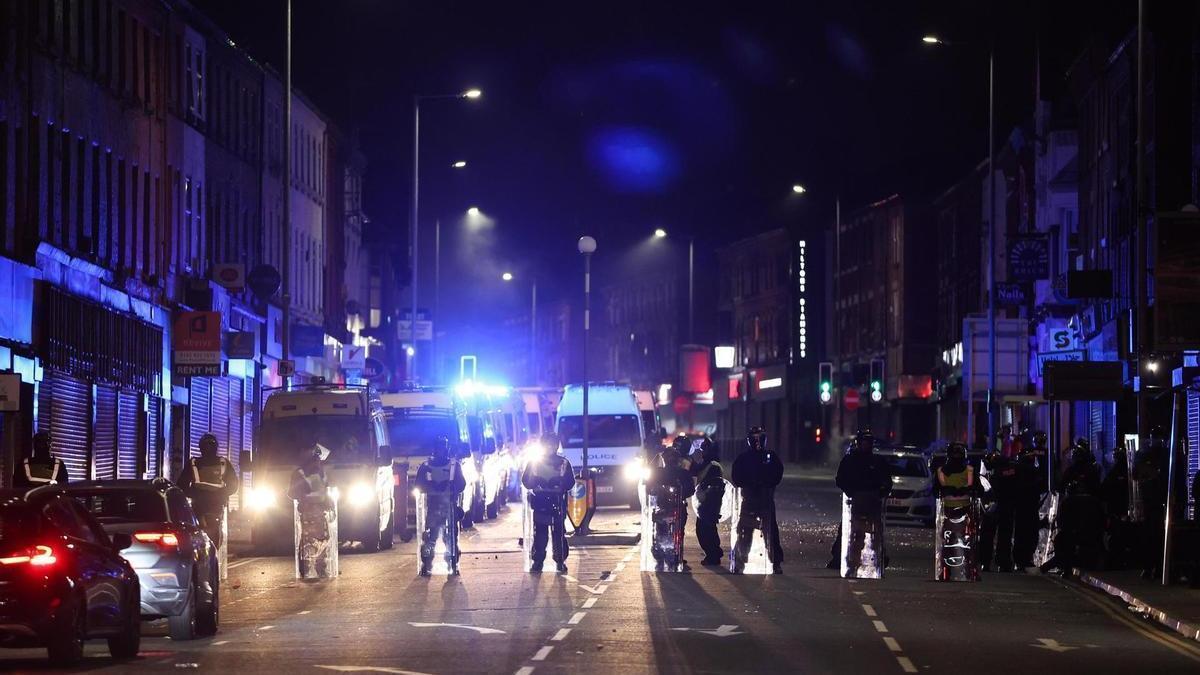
{"points": [[615, 436], [349, 421]]}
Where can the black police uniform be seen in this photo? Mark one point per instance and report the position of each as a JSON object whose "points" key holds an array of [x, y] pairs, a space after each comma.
{"points": [[441, 480], [548, 479], [665, 474], [1029, 484], [866, 480], [1080, 533], [209, 481], [36, 471], [710, 492], [757, 472], [996, 531]]}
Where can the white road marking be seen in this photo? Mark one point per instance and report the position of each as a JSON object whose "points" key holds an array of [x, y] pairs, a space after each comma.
{"points": [[869, 610], [880, 627], [906, 664], [590, 589], [569, 578], [239, 563], [266, 628], [1052, 645], [576, 618], [542, 653], [601, 588], [589, 603], [219, 643], [371, 669], [477, 629], [892, 644], [561, 634], [620, 567], [724, 630], [305, 611], [524, 670], [858, 592]]}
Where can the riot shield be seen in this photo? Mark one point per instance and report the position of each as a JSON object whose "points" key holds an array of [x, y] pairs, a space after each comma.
{"points": [[956, 542], [543, 511], [728, 505], [662, 533], [216, 526], [437, 533], [526, 528], [1047, 529], [863, 536], [748, 550], [316, 537]]}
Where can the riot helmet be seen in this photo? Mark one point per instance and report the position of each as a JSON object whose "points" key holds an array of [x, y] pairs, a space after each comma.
{"points": [[440, 450], [41, 445], [1039, 440], [1081, 454], [708, 450], [208, 446], [682, 445], [756, 439], [957, 451], [864, 442], [551, 443]]}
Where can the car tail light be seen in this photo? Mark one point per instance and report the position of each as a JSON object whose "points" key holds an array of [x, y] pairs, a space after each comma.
{"points": [[166, 539], [37, 556]]}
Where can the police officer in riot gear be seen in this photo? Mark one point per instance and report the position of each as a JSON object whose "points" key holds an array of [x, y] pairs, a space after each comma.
{"points": [[999, 512], [756, 473], [315, 545], [441, 481], [866, 481], [1029, 484], [548, 479], [209, 480], [671, 485], [710, 492], [1080, 520], [41, 467]]}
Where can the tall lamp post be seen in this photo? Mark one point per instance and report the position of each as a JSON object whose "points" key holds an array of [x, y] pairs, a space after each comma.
{"points": [[660, 233], [508, 276], [416, 195], [991, 263], [587, 246], [285, 239]]}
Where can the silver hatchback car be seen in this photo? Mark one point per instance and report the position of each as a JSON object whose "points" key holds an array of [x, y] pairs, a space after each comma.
{"points": [[175, 560], [911, 499]]}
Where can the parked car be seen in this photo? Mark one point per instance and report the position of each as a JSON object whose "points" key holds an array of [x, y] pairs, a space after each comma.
{"points": [[63, 579], [175, 560], [911, 499]]}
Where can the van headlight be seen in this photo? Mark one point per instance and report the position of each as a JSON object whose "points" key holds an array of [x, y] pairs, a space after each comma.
{"points": [[261, 498], [633, 470], [470, 473], [360, 494]]}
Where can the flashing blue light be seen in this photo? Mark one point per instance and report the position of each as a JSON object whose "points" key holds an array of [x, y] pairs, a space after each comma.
{"points": [[633, 159]]}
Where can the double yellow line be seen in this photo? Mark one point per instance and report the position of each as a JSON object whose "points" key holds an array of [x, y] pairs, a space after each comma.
{"points": [[1180, 646]]}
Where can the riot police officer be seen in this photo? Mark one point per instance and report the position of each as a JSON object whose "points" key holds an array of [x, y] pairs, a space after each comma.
{"points": [[1080, 534], [548, 478], [316, 538], [441, 483], [710, 492], [42, 467], [1114, 499], [866, 481], [210, 480], [999, 512], [670, 485], [756, 473]]}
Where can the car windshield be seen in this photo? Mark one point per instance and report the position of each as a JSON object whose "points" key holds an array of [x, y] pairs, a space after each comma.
{"points": [[604, 431], [18, 524], [910, 467], [413, 435], [290, 440], [123, 506]]}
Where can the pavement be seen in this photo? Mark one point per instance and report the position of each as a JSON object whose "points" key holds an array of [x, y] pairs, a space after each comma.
{"points": [[1175, 607], [607, 616]]}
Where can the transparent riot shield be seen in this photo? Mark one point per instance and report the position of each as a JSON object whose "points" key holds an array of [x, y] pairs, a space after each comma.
{"points": [[748, 550], [956, 542], [728, 505], [863, 537], [1047, 529], [316, 535], [543, 511], [527, 528], [216, 526], [662, 533], [437, 533]]}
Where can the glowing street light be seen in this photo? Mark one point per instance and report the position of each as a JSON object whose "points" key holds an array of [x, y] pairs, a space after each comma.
{"points": [[507, 276], [931, 40], [472, 93], [660, 233], [799, 189], [459, 164], [473, 211]]}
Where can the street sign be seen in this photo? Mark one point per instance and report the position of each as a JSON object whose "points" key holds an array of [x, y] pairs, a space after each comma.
{"points": [[1011, 294], [1029, 258], [241, 344], [230, 276], [264, 280], [196, 344], [851, 399], [373, 369], [286, 368], [354, 357], [404, 330], [1067, 355], [10, 392]]}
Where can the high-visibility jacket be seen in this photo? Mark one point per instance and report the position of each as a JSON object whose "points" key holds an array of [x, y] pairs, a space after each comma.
{"points": [[43, 473]]}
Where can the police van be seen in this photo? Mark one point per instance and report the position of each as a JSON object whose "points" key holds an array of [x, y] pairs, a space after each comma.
{"points": [[349, 421], [615, 439]]}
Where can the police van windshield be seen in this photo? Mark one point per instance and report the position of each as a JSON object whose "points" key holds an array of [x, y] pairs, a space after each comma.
{"points": [[413, 435], [289, 440], [604, 431]]}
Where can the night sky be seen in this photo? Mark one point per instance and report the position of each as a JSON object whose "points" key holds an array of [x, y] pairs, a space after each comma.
{"points": [[613, 119]]}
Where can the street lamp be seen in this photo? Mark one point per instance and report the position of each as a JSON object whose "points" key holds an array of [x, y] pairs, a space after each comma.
{"points": [[416, 195], [799, 189], [660, 233], [587, 246], [508, 276], [991, 262], [473, 211], [460, 164]]}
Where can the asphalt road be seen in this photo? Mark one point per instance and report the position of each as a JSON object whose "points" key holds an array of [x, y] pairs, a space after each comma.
{"points": [[606, 616]]}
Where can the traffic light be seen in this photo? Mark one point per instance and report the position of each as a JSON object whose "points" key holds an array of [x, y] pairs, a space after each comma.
{"points": [[825, 377], [876, 380]]}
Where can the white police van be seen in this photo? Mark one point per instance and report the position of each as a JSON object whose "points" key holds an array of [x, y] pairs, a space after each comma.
{"points": [[615, 457]]}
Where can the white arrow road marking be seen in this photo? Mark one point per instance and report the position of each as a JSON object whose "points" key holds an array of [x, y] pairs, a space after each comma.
{"points": [[725, 630], [370, 669], [593, 590], [569, 578], [1052, 645], [477, 629]]}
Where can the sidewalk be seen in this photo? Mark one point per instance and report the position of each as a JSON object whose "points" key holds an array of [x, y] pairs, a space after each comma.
{"points": [[1176, 607]]}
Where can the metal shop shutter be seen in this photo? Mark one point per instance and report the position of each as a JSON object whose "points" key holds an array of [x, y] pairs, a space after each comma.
{"points": [[1193, 445], [154, 435], [104, 438], [64, 409], [130, 437], [219, 420], [197, 414]]}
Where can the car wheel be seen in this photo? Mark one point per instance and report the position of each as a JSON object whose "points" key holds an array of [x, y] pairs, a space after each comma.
{"points": [[182, 626], [127, 645], [65, 646], [209, 618]]}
